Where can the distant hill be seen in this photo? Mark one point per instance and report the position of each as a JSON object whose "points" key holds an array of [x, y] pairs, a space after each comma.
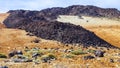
{"points": [[42, 24], [52, 13]]}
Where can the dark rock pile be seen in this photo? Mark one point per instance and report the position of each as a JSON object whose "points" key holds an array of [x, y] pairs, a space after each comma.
{"points": [[65, 33], [42, 24]]}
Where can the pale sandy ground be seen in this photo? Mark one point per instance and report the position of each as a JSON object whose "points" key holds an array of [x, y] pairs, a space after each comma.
{"points": [[107, 29], [87, 21]]}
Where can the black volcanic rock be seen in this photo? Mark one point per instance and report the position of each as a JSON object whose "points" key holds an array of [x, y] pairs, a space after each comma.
{"points": [[53, 13], [42, 24], [21, 16], [65, 33], [99, 53]]}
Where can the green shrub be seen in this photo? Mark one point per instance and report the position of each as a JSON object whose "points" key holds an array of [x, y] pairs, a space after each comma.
{"points": [[27, 55], [41, 52], [78, 52], [36, 60], [52, 56], [27, 50], [91, 51], [51, 51], [69, 56], [3, 56], [49, 56]]}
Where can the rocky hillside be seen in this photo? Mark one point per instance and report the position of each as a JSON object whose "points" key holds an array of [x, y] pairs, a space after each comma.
{"points": [[18, 16], [22, 50], [64, 32], [42, 24]]}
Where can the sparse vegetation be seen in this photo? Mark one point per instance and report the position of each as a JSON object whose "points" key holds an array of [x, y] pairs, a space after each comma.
{"points": [[57, 53], [90, 50], [41, 53], [3, 55], [48, 57], [51, 56], [69, 56], [78, 52]]}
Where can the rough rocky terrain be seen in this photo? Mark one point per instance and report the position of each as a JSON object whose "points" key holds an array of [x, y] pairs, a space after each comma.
{"points": [[40, 43], [42, 24], [19, 40]]}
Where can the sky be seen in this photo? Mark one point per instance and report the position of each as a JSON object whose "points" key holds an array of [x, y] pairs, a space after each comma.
{"points": [[6, 5]]}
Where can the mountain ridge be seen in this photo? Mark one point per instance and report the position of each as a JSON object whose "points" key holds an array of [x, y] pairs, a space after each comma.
{"points": [[80, 9]]}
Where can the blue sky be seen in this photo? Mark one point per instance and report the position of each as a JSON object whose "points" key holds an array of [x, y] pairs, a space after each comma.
{"points": [[6, 5]]}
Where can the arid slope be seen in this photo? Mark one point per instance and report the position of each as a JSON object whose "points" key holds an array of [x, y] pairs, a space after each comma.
{"points": [[110, 34], [11, 39], [3, 16]]}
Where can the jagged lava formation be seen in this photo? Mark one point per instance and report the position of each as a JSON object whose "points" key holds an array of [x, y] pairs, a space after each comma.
{"points": [[42, 24]]}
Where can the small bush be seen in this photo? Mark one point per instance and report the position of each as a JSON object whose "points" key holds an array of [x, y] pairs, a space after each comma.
{"points": [[36, 61], [69, 56], [91, 51], [78, 52], [50, 56], [51, 51], [3, 56], [27, 50], [27, 55], [41, 52], [22, 57]]}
